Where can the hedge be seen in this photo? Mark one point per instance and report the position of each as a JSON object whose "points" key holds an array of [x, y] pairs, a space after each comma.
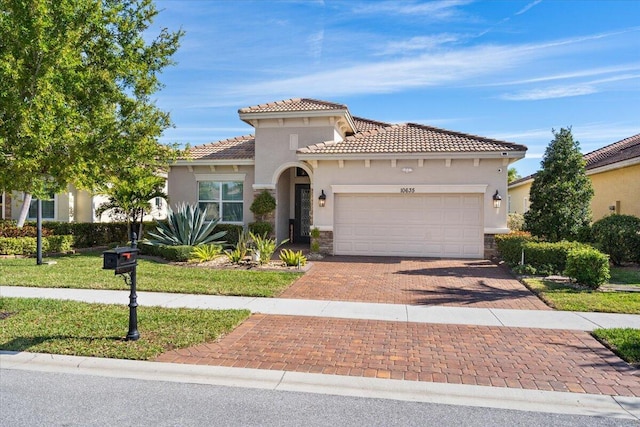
{"points": [[588, 267], [28, 245], [549, 258], [510, 246], [170, 253]]}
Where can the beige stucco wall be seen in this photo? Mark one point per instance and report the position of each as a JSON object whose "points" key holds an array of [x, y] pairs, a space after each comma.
{"points": [[489, 172], [620, 188], [616, 187], [518, 198], [182, 184], [276, 143]]}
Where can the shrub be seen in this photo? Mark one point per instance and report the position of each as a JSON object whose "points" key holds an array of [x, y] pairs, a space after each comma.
{"points": [[28, 245], [170, 253], [549, 258], [206, 252], [292, 259], [233, 232], [88, 234], [9, 229], [515, 222], [588, 267], [618, 236], [261, 228], [265, 247], [235, 256], [510, 246], [186, 227], [263, 204]]}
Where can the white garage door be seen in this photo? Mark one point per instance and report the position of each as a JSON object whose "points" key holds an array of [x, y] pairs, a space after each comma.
{"points": [[423, 225]]}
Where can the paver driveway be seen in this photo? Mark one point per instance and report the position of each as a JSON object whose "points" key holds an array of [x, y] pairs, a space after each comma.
{"points": [[466, 283], [526, 358]]}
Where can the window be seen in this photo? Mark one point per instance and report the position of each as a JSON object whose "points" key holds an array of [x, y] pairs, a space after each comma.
{"points": [[222, 199], [48, 208]]}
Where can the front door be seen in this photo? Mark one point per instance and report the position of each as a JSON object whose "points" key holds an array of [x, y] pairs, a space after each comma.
{"points": [[302, 224]]}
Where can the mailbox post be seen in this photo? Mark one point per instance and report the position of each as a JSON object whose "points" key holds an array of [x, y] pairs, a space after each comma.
{"points": [[124, 261]]}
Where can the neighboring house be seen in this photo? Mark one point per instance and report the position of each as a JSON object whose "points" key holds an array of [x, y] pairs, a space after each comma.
{"points": [[615, 175], [370, 188], [71, 206]]}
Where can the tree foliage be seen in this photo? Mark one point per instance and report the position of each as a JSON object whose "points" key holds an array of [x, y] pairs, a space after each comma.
{"points": [[512, 175], [129, 196], [76, 79], [561, 192]]}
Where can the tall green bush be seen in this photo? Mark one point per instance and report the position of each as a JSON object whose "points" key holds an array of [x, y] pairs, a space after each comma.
{"points": [[588, 267], [619, 236]]}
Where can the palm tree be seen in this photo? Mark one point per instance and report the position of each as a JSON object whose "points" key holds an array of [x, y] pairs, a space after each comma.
{"points": [[130, 196]]}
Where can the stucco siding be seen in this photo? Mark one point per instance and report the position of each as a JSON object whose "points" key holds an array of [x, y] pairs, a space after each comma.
{"points": [[489, 172], [619, 188], [182, 184], [518, 199]]}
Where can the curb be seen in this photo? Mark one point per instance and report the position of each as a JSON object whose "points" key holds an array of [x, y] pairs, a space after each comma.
{"points": [[426, 392]]}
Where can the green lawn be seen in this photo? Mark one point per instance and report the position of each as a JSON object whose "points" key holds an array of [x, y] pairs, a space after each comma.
{"points": [[85, 271], [98, 330], [625, 342], [563, 297], [625, 276]]}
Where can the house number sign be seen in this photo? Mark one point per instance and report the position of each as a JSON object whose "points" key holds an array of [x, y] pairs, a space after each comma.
{"points": [[407, 190]]}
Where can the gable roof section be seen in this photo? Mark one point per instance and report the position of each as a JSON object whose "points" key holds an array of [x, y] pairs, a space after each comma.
{"points": [[625, 149], [240, 147], [363, 124], [293, 105], [411, 138]]}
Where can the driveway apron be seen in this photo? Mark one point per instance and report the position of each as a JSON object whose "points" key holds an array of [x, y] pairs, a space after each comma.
{"points": [[524, 358], [464, 283]]}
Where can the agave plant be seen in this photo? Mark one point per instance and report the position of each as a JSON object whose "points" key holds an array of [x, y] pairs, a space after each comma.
{"points": [[186, 226]]}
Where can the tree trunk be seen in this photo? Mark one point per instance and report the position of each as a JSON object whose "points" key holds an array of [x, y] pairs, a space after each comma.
{"points": [[24, 211]]}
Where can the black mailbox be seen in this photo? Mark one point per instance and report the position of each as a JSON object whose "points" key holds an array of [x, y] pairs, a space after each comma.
{"points": [[122, 260]]}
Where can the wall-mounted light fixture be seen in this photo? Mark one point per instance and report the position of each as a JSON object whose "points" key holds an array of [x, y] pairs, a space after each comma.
{"points": [[322, 200], [497, 200], [407, 170]]}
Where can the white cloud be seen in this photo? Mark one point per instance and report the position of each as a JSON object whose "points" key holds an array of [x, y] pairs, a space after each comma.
{"points": [[550, 92], [437, 10], [527, 7], [316, 41], [420, 43]]}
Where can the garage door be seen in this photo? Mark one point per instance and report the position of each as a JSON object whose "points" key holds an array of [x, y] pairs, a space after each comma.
{"points": [[423, 225]]}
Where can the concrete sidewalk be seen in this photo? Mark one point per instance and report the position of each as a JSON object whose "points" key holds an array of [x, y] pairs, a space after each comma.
{"points": [[542, 319]]}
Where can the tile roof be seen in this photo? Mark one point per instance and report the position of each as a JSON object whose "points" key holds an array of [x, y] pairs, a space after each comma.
{"points": [[240, 147], [294, 104], [363, 124], [625, 149], [410, 138]]}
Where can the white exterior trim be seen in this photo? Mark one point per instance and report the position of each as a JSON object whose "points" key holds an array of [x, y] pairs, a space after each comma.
{"points": [[614, 166], [220, 177], [283, 167], [410, 189], [263, 186]]}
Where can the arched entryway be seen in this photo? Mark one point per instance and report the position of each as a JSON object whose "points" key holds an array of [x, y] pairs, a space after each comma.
{"points": [[294, 205]]}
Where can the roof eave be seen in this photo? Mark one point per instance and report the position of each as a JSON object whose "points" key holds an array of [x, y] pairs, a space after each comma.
{"points": [[511, 155], [215, 162]]}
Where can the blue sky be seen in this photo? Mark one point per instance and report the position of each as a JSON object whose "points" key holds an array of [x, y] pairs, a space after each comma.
{"points": [[511, 70]]}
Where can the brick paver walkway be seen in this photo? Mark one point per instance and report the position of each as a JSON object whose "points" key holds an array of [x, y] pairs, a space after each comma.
{"points": [[466, 283], [478, 355]]}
